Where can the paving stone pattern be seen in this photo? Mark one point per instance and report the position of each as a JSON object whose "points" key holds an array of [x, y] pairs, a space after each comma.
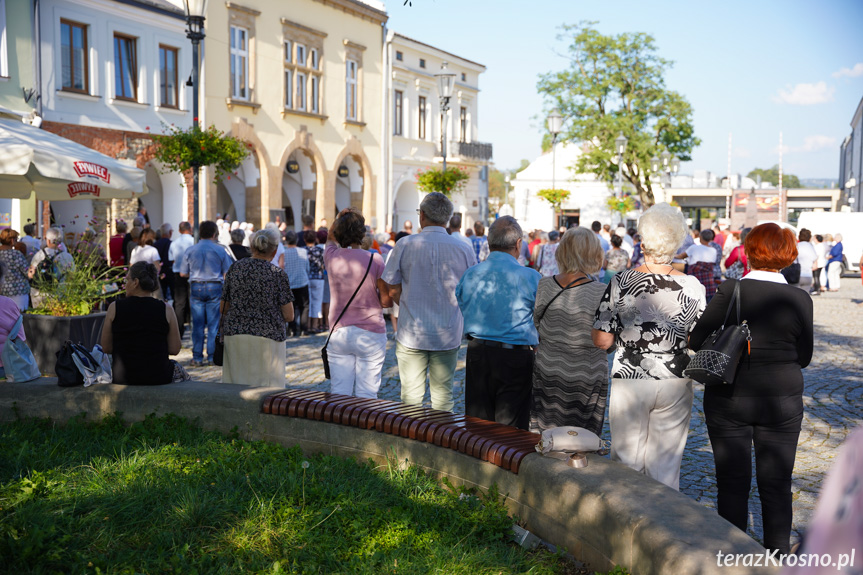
{"points": [[833, 400]]}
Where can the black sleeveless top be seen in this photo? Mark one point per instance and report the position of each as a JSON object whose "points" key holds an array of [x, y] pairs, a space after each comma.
{"points": [[140, 331]]}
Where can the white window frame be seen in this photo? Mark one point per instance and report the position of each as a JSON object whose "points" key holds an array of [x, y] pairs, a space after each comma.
{"points": [[315, 86], [239, 55], [302, 87], [314, 61], [289, 88], [422, 118], [398, 113], [289, 58], [351, 89], [302, 55]]}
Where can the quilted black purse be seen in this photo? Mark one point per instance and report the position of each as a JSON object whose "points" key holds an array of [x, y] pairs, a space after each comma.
{"points": [[717, 360]]}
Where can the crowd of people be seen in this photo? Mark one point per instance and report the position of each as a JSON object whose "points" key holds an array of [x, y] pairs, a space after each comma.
{"points": [[560, 325]]}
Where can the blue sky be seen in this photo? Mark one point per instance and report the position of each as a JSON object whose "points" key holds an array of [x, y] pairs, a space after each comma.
{"points": [[752, 68]]}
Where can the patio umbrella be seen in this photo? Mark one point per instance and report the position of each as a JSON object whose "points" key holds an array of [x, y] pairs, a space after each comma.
{"points": [[59, 169]]}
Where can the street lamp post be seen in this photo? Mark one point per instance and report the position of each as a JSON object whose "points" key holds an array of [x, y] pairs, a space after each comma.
{"points": [[507, 179], [620, 148], [666, 164], [446, 80], [555, 124], [196, 11]]}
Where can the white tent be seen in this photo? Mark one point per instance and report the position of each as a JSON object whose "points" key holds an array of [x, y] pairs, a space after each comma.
{"points": [[33, 160]]}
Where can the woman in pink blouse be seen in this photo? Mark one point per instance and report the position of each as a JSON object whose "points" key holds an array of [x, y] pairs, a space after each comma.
{"points": [[358, 343]]}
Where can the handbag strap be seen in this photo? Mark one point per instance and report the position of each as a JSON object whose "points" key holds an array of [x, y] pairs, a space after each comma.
{"points": [[356, 291], [735, 299], [13, 333], [563, 289]]}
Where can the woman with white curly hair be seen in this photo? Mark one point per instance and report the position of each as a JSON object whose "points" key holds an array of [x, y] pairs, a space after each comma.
{"points": [[648, 312]]}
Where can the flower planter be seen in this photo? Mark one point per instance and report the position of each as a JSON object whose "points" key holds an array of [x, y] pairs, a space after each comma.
{"points": [[47, 333]]}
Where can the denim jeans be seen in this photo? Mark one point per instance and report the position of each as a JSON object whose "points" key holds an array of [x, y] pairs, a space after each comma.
{"points": [[204, 297]]}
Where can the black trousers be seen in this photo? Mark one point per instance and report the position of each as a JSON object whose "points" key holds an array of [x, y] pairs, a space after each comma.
{"points": [[772, 424], [498, 383], [816, 280], [167, 284], [181, 301], [301, 310]]}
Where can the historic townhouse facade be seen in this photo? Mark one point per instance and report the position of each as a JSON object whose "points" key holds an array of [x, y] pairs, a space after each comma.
{"points": [[301, 82], [110, 74], [414, 124], [17, 90]]}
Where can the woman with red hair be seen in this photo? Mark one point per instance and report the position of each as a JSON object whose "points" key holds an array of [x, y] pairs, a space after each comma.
{"points": [[764, 406]]}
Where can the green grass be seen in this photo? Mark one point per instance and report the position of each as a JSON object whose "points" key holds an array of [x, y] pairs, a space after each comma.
{"points": [[164, 496]]}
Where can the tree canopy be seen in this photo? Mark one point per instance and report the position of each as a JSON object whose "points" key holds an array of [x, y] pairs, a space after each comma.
{"points": [[772, 175], [614, 84]]}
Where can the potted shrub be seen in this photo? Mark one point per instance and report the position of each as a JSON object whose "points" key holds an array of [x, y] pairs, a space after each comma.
{"points": [[70, 305]]}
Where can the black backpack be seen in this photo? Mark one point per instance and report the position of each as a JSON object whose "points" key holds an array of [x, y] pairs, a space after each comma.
{"points": [[46, 271]]}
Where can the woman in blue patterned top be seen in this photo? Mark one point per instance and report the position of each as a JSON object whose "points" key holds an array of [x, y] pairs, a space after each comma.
{"points": [[648, 312], [316, 280]]}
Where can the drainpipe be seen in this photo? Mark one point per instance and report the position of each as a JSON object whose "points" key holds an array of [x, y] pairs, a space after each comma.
{"points": [[386, 143], [37, 55]]}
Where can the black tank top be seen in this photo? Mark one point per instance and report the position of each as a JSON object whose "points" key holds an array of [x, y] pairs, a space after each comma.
{"points": [[140, 332]]}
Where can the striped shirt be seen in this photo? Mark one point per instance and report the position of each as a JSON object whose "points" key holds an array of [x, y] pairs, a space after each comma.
{"points": [[428, 266]]}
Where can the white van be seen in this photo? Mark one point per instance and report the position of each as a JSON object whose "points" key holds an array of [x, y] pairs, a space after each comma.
{"points": [[849, 224]]}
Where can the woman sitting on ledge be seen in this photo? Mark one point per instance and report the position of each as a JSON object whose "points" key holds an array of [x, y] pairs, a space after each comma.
{"points": [[141, 331]]}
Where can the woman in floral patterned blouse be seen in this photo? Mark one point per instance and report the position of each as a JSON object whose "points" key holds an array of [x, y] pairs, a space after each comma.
{"points": [[256, 303], [14, 283], [648, 312]]}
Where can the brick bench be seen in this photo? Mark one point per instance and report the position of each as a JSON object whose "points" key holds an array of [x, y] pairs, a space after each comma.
{"points": [[498, 444]]}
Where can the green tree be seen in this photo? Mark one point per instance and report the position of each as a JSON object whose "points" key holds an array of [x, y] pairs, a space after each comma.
{"points": [[496, 184], [772, 175], [614, 85]]}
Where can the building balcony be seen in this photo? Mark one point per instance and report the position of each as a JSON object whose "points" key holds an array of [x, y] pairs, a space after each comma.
{"points": [[469, 150]]}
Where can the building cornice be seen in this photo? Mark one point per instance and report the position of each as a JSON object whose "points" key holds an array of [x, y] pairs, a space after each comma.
{"points": [[240, 8], [286, 22], [357, 9], [442, 53]]}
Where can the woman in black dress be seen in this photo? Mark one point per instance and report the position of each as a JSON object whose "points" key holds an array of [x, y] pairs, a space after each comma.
{"points": [[764, 406], [141, 332]]}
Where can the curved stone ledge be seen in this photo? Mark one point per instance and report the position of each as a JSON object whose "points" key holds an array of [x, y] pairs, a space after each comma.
{"points": [[604, 514]]}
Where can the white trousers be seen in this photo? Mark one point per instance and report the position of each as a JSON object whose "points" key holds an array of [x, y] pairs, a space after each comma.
{"points": [[834, 269], [356, 358], [649, 421]]}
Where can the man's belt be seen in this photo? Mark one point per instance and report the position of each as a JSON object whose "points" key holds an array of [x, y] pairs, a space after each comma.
{"points": [[491, 343]]}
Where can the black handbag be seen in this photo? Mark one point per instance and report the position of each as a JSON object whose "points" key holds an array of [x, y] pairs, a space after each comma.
{"points": [[219, 351], [792, 273], [717, 361], [333, 327], [68, 374]]}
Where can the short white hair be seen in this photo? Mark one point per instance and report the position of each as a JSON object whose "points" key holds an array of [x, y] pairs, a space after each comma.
{"points": [[54, 235], [662, 229]]}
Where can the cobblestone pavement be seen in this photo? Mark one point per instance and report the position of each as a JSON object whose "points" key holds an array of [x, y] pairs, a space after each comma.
{"points": [[833, 400]]}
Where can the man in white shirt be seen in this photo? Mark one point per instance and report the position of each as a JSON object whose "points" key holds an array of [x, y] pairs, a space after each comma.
{"points": [[422, 273], [31, 241], [176, 252], [48, 264], [455, 228], [807, 257]]}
